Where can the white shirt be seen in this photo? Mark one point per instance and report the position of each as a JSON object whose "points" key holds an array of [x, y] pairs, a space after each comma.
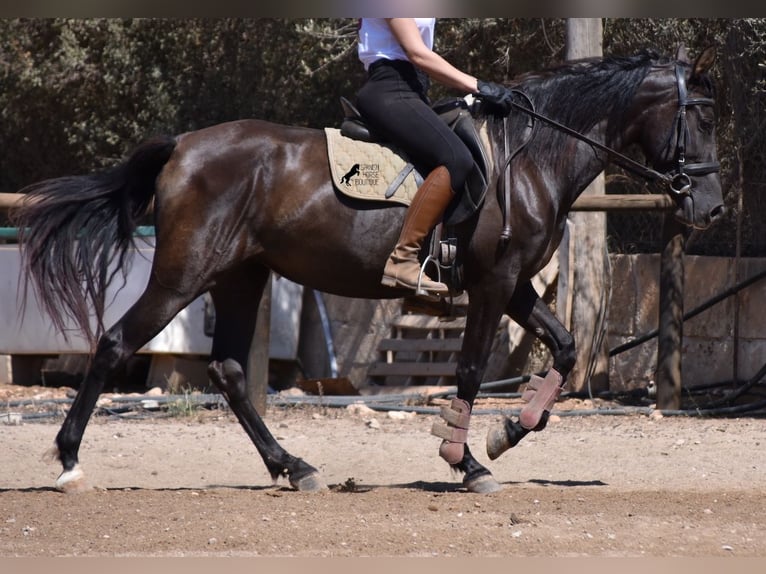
{"points": [[376, 40]]}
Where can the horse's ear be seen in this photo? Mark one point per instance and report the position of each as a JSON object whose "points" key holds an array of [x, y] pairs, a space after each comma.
{"points": [[704, 62], [681, 55]]}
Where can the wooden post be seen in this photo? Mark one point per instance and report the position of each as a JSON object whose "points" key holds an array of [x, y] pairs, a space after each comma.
{"points": [[588, 249], [671, 326], [258, 358]]}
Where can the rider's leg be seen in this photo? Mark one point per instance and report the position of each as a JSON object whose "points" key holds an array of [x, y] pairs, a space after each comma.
{"points": [[431, 200]]}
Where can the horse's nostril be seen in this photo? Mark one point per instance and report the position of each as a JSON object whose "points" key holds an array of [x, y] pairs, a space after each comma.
{"points": [[717, 212]]}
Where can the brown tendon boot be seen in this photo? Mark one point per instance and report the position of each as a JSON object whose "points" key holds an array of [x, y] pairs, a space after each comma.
{"points": [[427, 207]]}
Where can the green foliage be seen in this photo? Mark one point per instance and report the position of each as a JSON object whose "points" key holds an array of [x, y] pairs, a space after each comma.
{"points": [[79, 94]]}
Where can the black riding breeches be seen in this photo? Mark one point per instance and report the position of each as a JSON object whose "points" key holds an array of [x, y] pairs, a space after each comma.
{"points": [[393, 102]]}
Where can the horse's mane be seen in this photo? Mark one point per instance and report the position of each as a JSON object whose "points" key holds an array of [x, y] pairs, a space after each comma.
{"points": [[581, 93]]}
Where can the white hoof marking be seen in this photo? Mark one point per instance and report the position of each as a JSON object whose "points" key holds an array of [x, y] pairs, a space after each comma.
{"points": [[72, 481]]}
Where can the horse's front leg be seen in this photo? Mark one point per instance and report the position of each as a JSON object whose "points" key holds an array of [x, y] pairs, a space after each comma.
{"points": [[533, 314], [484, 312]]}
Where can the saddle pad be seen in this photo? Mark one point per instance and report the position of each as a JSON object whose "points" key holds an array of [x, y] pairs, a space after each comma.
{"points": [[369, 170]]}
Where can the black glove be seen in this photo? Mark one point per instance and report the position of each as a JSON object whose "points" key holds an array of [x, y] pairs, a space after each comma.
{"points": [[496, 98]]}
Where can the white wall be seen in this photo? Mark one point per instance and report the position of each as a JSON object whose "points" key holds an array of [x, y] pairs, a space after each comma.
{"points": [[33, 333]]}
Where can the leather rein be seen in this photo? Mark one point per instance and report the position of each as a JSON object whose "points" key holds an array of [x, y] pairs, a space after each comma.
{"points": [[677, 182]]}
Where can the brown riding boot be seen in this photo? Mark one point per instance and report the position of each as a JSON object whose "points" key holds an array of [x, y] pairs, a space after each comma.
{"points": [[427, 207]]}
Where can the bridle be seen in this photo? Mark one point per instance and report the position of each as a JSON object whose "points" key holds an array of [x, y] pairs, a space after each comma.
{"points": [[677, 182], [680, 183]]}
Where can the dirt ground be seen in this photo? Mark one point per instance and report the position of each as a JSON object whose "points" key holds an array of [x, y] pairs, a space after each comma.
{"points": [[193, 485]]}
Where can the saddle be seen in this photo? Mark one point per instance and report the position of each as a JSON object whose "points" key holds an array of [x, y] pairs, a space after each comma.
{"points": [[455, 112], [366, 166]]}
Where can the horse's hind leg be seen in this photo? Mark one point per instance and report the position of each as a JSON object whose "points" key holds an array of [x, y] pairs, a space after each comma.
{"points": [[229, 377], [532, 313], [147, 317], [236, 297]]}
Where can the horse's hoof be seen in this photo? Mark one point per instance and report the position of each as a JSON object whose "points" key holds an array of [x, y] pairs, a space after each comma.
{"points": [[483, 484], [497, 441], [309, 483], [72, 481]]}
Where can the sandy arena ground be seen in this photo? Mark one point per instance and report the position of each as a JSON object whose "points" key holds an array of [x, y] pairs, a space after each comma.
{"points": [[603, 486]]}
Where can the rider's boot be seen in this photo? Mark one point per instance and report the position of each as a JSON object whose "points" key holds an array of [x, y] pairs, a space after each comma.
{"points": [[431, 200]]}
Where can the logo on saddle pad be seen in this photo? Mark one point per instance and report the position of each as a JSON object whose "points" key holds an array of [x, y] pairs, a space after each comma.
{"points": [[369, 174], [370, 171]]}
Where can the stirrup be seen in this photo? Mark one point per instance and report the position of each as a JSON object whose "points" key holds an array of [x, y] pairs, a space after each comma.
{"points": [[419, 291]]}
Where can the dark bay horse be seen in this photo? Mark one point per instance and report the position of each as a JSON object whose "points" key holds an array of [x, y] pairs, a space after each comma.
{"points": [[237, 200]]}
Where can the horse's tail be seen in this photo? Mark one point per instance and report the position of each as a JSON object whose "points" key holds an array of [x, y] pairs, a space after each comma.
{"points": [[73, 228]]}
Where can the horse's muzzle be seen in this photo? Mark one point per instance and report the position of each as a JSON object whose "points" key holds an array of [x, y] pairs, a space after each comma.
{"points": [[693, 216]]}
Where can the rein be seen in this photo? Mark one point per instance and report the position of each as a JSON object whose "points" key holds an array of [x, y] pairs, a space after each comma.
{"points": [[678, 182]]}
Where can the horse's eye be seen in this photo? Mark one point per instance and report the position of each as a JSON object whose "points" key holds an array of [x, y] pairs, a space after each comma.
{"points": [[706, 126]]}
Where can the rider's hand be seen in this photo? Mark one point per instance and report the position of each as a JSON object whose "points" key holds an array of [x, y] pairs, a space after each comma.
{"points": [[496, 98]]}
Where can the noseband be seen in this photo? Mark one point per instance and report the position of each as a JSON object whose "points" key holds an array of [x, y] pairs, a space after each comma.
{"points": [[677, 182]]}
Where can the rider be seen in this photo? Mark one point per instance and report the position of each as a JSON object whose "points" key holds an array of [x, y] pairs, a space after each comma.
{"points": [[398, 55]]}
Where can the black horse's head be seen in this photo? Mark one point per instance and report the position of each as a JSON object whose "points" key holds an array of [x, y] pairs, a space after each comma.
{"points": [[677, 134], [664, 106]]}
